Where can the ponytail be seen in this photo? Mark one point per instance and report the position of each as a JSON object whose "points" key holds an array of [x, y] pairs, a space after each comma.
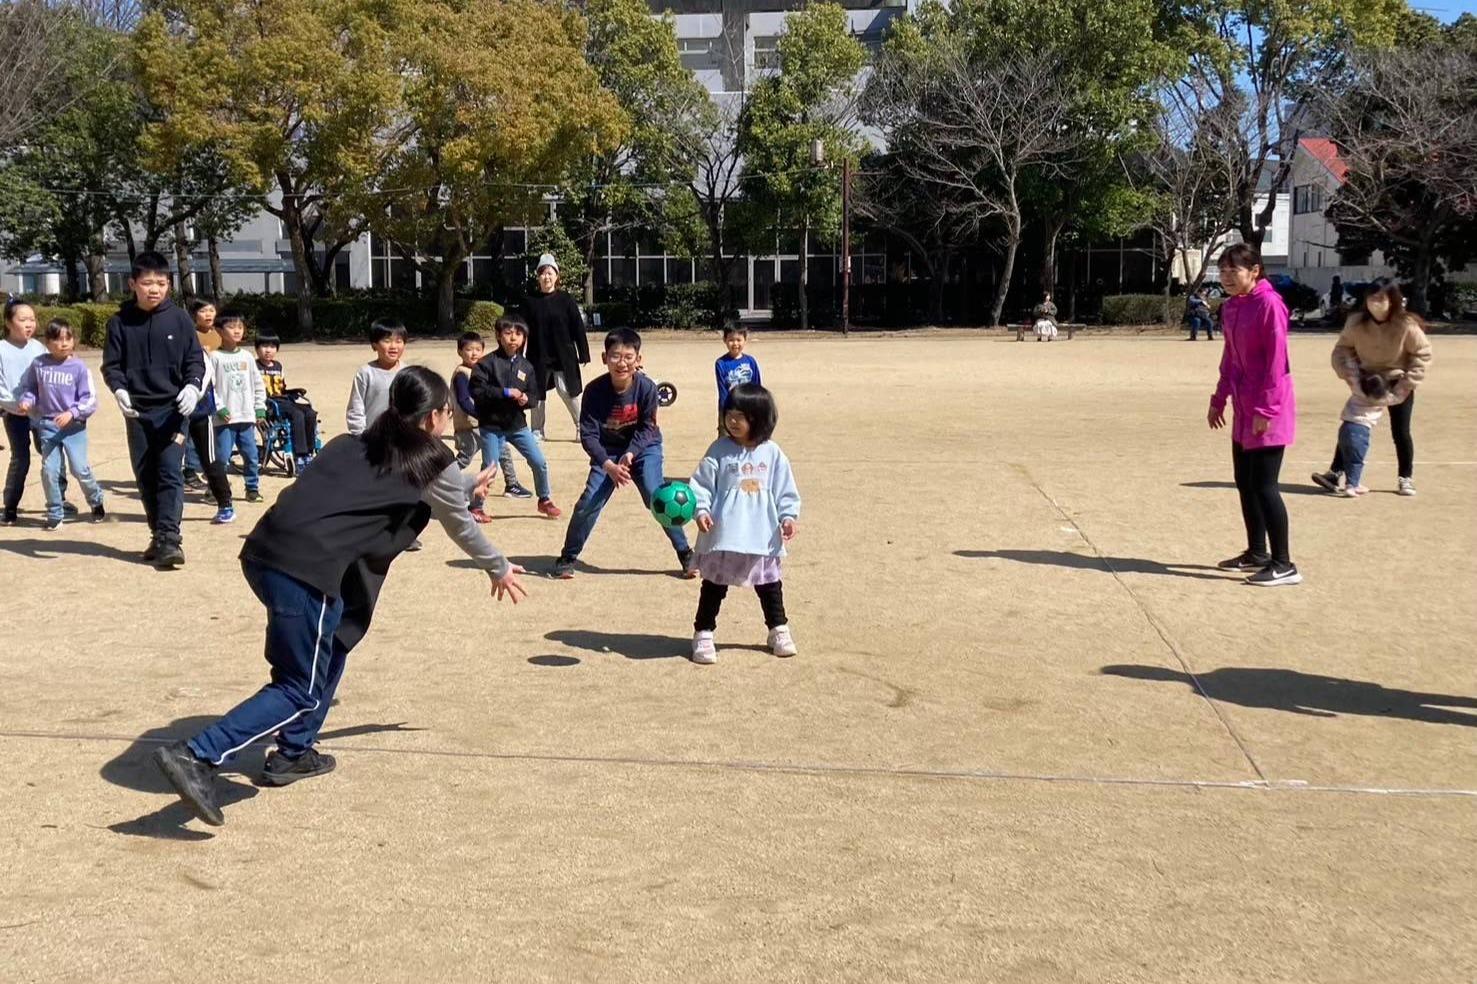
{"points": [[397, 442]]}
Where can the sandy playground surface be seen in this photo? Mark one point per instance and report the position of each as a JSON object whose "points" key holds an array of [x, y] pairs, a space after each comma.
{"points": [[988, 762]]}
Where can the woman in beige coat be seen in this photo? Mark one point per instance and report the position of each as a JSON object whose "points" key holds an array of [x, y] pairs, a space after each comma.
{"points": [[1382, 337]]}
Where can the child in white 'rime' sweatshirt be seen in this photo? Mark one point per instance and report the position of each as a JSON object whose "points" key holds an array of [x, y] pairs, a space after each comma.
{"points": [[240, 400], [747, 505]]}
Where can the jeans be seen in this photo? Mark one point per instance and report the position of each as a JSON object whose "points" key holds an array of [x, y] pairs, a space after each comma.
{"points": [[307, 660], [1262, 509], [243, 436], [495, 446], [647, 472], [1353, 449], [156, 445], [1399, 429], [571, 398], [67, 443], [1198, 321], [468, 442], [710, 601]]}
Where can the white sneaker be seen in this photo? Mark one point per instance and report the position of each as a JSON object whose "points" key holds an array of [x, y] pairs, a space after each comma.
{"points": [[780, 641], [1407, 487], [703, 650]]}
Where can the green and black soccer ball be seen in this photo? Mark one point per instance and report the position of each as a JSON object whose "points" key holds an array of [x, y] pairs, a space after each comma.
{"points": [[674, 504]]}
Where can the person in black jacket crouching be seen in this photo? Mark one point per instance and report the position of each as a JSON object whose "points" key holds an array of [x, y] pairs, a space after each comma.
{"points": [[317, 560], [503, 386]]}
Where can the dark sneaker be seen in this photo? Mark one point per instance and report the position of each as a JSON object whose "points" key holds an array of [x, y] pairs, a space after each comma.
{"points": [[563, 570], [414, 546], [99, 514], [688, 559], [193, 779], [169, 556], [1245, 561], [9, 518], [254, 495], [1329, 481], [1275, 575], [193, 481], [517, 492], [68, 509], [282, 771], [151, 551], [52, 525]]}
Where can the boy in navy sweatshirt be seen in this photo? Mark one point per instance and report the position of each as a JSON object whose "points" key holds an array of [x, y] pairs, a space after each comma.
{"points": [[502, 388], [155, 368], [618, 430]]}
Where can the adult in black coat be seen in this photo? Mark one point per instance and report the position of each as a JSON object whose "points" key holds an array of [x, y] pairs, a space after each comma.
{"points": [[557, 346]]}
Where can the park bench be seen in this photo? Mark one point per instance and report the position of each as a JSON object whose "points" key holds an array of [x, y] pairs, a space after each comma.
{"points": [[1029, 328]]}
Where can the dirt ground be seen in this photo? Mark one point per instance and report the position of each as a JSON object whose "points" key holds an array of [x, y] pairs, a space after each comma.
{"points": [[990, 761]]}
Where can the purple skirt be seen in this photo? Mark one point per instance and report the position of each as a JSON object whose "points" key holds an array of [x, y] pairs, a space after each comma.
{"points": [[739, 570]]}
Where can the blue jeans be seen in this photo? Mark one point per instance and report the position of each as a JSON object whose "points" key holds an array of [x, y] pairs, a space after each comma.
{"points": [[69, 444], [494, 446], [307, 661], [1353, 449], [243, 436], [647, 473], [1198, 321]]}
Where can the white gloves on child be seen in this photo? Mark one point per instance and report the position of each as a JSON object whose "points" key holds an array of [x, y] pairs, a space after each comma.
{"points": [[125, 403], [186, 401]]}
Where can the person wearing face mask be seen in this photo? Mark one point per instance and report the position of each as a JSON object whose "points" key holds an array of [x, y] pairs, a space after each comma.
{"points": [[1381, 337]]}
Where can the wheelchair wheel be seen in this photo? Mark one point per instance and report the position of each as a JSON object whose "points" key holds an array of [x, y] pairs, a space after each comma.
{"points": [[273, 444], [666, 394]]}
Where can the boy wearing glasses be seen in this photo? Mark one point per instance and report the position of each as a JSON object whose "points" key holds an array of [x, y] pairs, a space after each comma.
{"points": [[619, 432]]}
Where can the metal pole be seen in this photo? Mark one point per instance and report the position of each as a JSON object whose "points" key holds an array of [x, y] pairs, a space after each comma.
{"points": [[846, 246]]}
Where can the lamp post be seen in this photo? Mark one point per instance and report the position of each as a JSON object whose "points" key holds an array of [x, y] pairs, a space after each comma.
{"points": [[818, 158]]}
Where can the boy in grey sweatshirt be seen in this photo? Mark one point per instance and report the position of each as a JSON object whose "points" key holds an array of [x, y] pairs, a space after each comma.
{"points": [[370, 393]]}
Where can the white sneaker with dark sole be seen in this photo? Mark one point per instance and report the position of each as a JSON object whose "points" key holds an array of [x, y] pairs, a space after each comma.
{"points": [[1275, 576], [703, 649]]}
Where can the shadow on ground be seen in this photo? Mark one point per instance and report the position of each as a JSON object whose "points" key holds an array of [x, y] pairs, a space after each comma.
{"points": [[1289, 489], [133, 769], [55, 545], [631, 645], [544, 565], [1310, 694], [1089, 562]]}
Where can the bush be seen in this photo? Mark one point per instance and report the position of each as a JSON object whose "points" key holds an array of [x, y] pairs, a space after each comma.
{"points": [[784, 303], [1139, 309], [613, 314], [1298, 296], [89, 321], [480, 316], [687, 307]]}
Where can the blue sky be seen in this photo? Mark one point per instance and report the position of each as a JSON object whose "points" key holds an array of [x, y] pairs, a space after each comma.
{"points": [[1446, 10]]}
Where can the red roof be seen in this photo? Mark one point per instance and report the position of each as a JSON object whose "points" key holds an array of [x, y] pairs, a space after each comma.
{"points": [[1326, 152]]}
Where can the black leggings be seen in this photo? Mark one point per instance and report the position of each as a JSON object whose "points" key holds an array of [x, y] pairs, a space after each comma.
{"points": [[1261, 500], [1404, 446], [710, 600]]}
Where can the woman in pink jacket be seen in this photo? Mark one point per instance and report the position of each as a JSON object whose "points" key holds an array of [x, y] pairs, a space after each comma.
{"points": [[1257, 376]]}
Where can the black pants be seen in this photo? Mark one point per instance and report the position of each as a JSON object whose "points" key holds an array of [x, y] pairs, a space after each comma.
{"points": [[157, 447], [202, 436], [1261, 500], [22, 439], [1404, 446], [304, 423], [710, 600]]}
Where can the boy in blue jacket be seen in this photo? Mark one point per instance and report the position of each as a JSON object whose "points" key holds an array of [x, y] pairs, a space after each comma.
{"points": [[734, 369], [618, 430], [155, 369]]}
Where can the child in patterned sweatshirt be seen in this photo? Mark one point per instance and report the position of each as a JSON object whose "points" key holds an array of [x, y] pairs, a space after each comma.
{"points": [[241, 400], [57, 392]]}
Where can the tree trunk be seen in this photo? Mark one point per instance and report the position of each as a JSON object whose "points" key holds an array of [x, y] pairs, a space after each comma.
{"points": [[292, 217], [1002, 288], [214, 247], [591, 248], [805, 275], [1420, 278], [73, 289], [446, 288], [125, 228], [182, 263], [1048, 253], [97, 276]]}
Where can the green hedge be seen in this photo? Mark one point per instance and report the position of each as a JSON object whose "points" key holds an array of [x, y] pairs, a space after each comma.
{"points": [[89, 321], [688, 307], [1140, 309]]}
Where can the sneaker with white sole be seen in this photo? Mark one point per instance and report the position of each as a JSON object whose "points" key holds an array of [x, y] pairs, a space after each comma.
{"points": [[1246, 560], [1276, 575], [1407, 487], [1329, 481], [781, 643], [703, 649], [1351, 491]]}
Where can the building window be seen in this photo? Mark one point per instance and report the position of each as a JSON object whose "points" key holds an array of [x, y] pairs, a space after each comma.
{"points": [[699, 54], [767, 52], [1306, 199]]}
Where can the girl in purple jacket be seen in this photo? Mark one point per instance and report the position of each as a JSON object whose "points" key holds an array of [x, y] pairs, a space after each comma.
{"points": [[1257, 377]]}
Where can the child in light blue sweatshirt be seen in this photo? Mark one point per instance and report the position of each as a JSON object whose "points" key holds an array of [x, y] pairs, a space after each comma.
{"points": [[747, 505]]}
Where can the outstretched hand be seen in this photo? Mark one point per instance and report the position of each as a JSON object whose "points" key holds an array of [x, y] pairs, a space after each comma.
{"points": [[508, 586], [483, 482]]}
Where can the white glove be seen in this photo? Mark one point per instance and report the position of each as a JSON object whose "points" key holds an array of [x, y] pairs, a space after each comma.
{"points": [[187, 399], [125, 403]]}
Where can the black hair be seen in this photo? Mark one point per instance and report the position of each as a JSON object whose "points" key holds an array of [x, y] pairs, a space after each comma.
{"points": [[226, 317], [384, 328], [397, 442], [199, 304], [623, 338], [148, 261], [511, 321], [57, 327], [1244, 256], [11, 303], [735, 329], [757, 405], [467, 338], [267, 340], [1391, 290], [1374, 386]]}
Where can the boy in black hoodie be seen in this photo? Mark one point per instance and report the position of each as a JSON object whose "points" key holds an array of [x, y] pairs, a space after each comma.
{"points": [[155, 368], [504, 385]]}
